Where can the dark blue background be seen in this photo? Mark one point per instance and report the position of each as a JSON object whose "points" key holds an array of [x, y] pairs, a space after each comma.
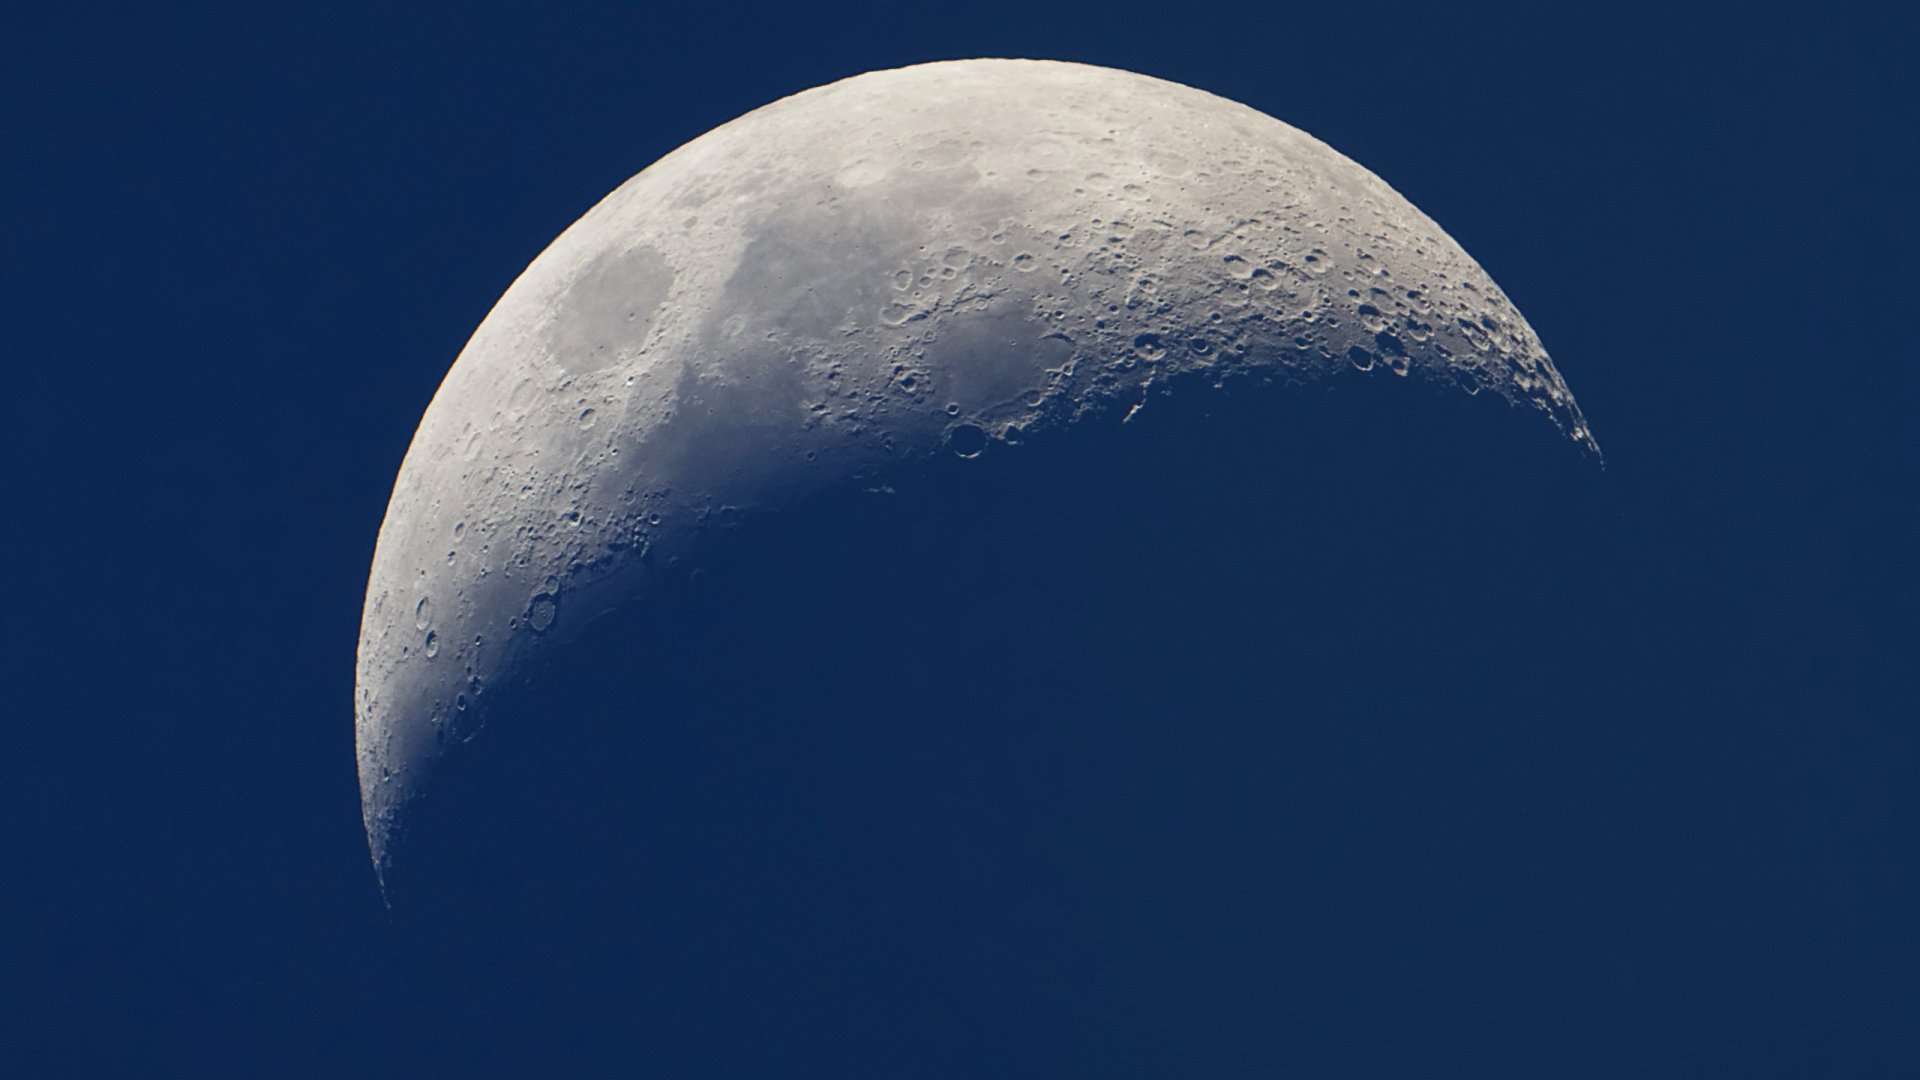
{"points": [[244, 244]]}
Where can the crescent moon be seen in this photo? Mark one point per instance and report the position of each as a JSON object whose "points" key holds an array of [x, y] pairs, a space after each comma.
{"points": [[940, 263]]}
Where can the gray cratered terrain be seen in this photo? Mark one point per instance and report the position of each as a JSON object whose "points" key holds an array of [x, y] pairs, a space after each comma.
{"points": [[938, 263]]}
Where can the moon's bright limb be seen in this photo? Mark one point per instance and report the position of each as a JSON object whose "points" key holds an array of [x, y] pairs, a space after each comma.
{"points": [[939, 260]]}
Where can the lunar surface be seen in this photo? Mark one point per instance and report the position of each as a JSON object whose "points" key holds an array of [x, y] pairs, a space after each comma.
{"points": [[936, 259], [920, 290]]}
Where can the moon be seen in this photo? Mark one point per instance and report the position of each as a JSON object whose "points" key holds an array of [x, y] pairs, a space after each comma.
{"points": [[870, 293]]}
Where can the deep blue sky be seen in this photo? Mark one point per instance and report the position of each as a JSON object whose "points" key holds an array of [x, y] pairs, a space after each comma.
{"points": [[245, 243]]}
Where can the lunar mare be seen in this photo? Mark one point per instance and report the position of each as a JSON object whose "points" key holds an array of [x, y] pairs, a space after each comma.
{"points": [[942, 260]]}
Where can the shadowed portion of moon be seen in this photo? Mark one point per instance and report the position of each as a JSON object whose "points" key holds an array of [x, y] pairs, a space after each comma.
{"points": [[925, 567], [1186, 747]]}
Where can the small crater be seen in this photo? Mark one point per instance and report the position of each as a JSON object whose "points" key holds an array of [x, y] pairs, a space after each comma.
{"points": [[1149, 347], [541, 612], [860, 174], [1475, 335], [433, 644], [1025, 263], [423, 613], [1168, 163], [967, 440]]}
